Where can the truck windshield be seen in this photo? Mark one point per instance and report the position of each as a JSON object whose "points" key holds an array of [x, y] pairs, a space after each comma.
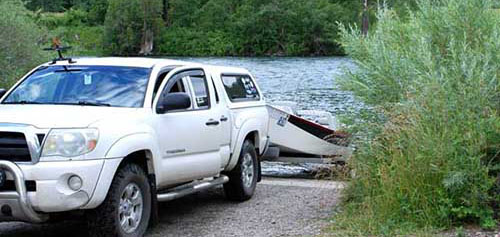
{"points": [[83, 85]]}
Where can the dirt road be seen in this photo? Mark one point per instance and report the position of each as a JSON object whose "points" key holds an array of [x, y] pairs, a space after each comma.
{"points": [[280, 207]]}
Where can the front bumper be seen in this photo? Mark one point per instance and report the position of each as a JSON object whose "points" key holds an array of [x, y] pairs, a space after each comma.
{"points": [[52, 192], [15, 204]]}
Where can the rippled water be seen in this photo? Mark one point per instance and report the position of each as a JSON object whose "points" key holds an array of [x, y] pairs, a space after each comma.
{"points": [[308, 81]]}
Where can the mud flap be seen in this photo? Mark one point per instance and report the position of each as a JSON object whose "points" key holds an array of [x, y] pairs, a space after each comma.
{"points": [[259, 170], [154, 218]]}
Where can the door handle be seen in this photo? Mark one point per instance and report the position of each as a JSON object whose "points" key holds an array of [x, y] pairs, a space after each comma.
{"points": [[212, 122], [223, 118]]}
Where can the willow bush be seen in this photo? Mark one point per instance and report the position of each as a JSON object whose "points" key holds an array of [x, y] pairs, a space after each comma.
{"points": [[433, 75]]}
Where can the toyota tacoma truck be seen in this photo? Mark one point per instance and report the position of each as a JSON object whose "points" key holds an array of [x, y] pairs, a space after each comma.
{"points": [[109, 138]]}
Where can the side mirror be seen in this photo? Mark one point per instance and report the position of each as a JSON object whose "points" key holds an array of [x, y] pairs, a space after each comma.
{"points": [[2, 92], [173, 101]]}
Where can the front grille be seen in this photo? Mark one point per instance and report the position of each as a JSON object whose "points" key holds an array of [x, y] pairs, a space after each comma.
{"points": [[9, 185], [13, 147], [40, 137]]}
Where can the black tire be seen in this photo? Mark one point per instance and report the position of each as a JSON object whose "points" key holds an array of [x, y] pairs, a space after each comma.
{"points": [[237, 189], [105, 219]]}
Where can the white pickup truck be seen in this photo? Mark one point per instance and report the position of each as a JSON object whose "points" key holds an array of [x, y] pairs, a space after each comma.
{"points": [[110, 137]]}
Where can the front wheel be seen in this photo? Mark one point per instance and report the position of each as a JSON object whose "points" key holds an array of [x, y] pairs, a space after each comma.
{"points": [[127, 207], [243, 178]]}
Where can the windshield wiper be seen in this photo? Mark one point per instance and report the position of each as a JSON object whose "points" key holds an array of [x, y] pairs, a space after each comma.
{"points": [[22, 102], [82, 102], [89, 103], [68, 70]]}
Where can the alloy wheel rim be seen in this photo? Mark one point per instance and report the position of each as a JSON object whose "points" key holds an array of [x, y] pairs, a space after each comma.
{"points": [[131, 207], [248, 170]]}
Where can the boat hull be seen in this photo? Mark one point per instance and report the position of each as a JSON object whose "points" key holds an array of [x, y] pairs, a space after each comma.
{"points": [[293, 134]]}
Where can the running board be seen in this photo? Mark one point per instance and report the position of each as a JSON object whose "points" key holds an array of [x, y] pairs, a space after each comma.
{"points": [[191, 188]]}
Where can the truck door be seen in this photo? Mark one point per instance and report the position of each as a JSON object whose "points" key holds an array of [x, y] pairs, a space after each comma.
{"points": [[187, 137], [221, 111]]}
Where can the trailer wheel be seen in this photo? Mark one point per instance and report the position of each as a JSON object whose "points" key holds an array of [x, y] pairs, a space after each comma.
{"points": [[127, 207], [243, 178]]}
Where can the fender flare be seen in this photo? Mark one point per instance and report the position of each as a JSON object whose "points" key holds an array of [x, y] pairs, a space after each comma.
{"points": [[249, 126], [131, 143], [114, 156]]}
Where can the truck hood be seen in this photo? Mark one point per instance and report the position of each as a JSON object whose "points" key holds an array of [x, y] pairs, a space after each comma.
{"points": [[60, 116]]}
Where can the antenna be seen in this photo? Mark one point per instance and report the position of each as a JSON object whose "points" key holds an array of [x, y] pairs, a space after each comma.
{"points": [[56, 46]]}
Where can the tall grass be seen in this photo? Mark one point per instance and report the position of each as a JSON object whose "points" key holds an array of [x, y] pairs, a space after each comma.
{"points": [[433, 75]]}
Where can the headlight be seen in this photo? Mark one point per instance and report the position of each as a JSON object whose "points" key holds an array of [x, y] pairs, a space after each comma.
{"points": [[70, 142]]}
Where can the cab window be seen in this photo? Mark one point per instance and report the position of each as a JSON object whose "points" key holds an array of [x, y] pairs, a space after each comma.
{"points": [[240, 88], [194, 84], [200, 92]]}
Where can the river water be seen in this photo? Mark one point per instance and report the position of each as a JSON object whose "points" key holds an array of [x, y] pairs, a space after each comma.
{"points": [[310, 82]]}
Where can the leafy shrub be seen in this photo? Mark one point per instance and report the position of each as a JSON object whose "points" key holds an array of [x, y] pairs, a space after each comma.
{"points": [[185, 41], [434, 77], [19, 37]]}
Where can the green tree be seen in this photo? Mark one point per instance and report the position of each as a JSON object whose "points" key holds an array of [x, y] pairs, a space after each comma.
{"points": [[131, 25]]}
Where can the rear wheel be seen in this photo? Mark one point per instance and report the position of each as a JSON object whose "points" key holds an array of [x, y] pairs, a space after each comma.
{"points": [[127, 207], [243, 178]]}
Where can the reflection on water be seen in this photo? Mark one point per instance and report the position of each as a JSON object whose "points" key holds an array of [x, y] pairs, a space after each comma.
{"points": [[308, 81]]}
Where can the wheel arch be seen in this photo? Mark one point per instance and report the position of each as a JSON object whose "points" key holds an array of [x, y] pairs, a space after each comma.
{"points": [[250, 130], [253, 136], [142, 158], [136, 148]]}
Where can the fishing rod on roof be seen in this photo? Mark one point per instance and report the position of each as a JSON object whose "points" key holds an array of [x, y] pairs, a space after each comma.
{"points": [[56, 46]]}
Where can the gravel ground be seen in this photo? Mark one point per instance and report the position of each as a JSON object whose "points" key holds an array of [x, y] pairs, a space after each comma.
{"points": [[280, 207], [471, 231]]}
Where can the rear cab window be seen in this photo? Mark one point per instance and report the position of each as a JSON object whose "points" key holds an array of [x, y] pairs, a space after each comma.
{"points": [[240, 88]]}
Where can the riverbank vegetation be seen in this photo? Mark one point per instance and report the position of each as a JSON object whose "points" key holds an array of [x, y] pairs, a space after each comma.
{"points": [[433, 161], [202, 27]]}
